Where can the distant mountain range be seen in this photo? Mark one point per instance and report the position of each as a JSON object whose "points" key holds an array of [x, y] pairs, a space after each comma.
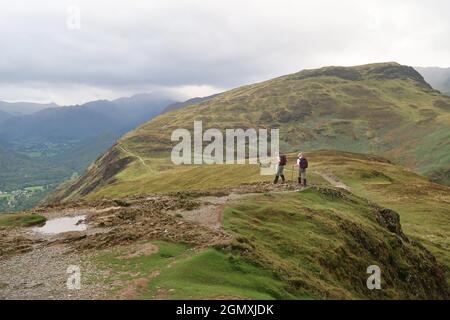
{"points": [[4, 116], [57, 124], [439, 78], [45, 144], [23, 108]]}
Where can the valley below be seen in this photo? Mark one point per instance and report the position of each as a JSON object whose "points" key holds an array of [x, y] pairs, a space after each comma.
{"points": [[21, 199]]}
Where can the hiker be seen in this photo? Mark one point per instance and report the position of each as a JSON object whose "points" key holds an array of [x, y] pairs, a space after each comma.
{"points": [[302, 164], [281, 162]]}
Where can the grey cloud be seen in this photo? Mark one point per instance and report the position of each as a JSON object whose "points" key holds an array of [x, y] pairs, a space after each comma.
{"points": [[125, 46]]}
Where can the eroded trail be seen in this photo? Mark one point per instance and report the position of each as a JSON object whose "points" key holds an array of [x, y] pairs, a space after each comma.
{"points": [[34, 266], [333, 180], [136, 156]]}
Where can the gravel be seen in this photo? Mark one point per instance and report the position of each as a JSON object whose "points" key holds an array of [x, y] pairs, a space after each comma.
{"points": [[41, 274]]}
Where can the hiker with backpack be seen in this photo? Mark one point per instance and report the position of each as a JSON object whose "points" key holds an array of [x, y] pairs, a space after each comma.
{"points": [[281, 162], [302, 164]]}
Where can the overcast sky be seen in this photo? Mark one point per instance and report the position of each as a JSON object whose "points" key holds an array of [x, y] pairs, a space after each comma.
{"points": [[196, 48]]}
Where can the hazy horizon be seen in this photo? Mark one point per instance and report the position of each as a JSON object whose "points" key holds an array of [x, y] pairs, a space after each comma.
{"points": [[72, 52]]}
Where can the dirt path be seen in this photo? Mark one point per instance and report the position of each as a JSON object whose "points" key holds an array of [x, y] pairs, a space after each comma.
{"points": [[136, 156], [209, 213], [333, 180]]}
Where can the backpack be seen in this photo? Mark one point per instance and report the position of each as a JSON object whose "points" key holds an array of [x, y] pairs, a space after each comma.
{"points": [[303, 163], [283, 160]]}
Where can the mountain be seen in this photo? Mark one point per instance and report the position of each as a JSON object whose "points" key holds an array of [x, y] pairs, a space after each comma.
{"points": [[4, 116], [43, 149], [439, 78], [387, 109], [8, 159], [24, 108], [81, 122]]}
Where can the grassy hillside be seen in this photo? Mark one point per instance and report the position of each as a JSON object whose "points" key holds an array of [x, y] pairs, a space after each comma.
{"points": [[384, 108], [381, 108], [321, 241], [310, 244], [422, 205]]}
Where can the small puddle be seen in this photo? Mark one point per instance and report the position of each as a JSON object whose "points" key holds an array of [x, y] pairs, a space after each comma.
{"points": [[64, 224]]}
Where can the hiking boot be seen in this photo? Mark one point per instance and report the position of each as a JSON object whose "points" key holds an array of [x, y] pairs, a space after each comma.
{"points": [[304, 182], [282, 178], [276, 180], [299, 181]]}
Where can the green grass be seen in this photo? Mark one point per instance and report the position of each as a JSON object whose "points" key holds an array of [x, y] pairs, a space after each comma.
{"points": [[183, 273], [21, 220], [166, 177], [423, 206], [166, 252], [180, 178], [311, 244], [213, 274], [321, 243]]}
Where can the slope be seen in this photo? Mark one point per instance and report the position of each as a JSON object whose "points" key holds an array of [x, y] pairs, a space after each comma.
{"points": [[56, 144], [439, 78], [312, 244], [381, 108], [239, 237]]}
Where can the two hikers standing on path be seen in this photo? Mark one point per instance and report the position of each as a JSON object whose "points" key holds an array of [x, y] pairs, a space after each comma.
{"points": [[302, 165]]}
